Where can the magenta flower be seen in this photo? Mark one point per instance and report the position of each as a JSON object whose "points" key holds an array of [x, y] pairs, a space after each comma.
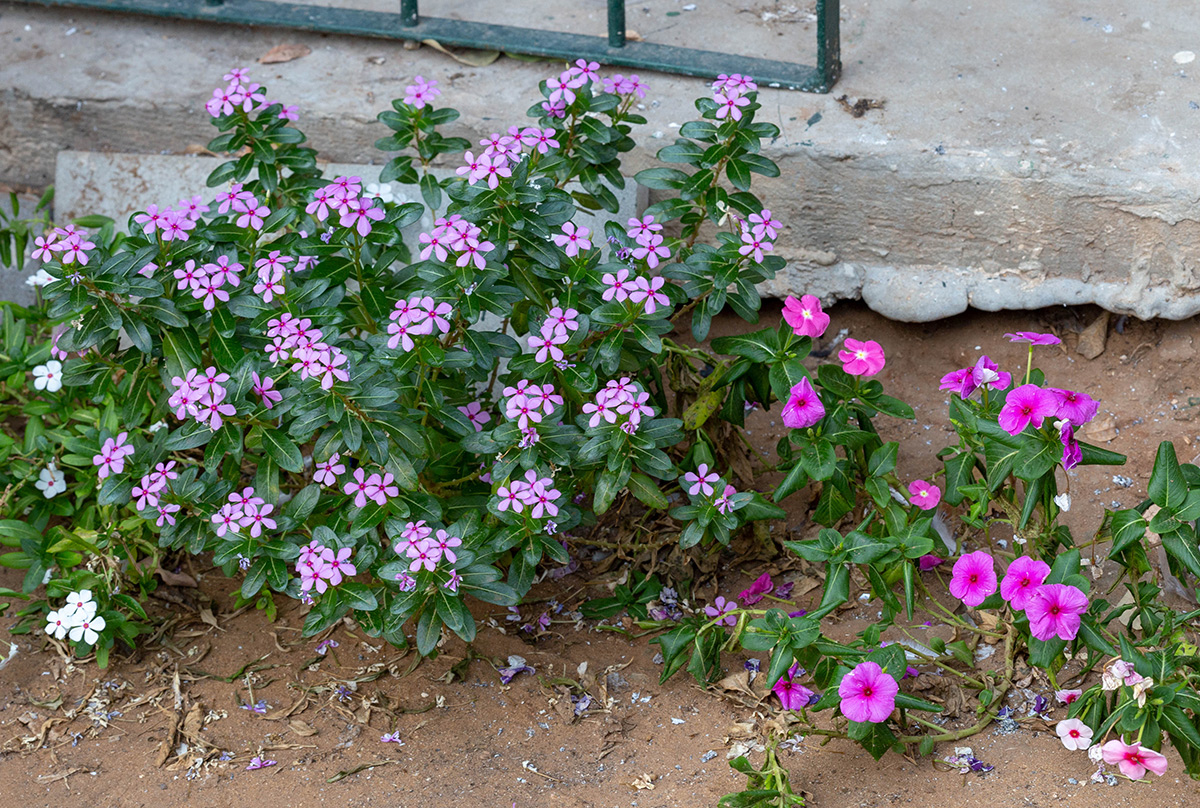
{"points": [[1072, 454], [1025, 405], [721, 607], [868, 694], [973, 578], [791, 693], [803, 407], [1033, 338], [1054, 610], [259, 763], [961, 381], [1078, 408], [1021, 581], [805, 315], [928, 562], [862, 358], [755, 592], [263, 389], [360, 488], [1133, 759], [924, 495], [987, 372]]}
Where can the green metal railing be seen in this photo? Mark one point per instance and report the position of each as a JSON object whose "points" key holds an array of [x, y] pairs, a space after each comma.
{"points": [[408, 24]]}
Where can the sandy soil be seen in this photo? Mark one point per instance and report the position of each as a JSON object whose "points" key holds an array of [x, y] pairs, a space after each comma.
{"points": [[74, 735]]}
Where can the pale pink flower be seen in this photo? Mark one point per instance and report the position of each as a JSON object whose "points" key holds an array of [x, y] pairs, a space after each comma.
{"points": [[1074, 734], [1133, 759], [573, 239], [701, 481]]}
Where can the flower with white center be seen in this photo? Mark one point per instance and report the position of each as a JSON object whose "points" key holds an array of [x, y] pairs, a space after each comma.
{"points": [[79, 606], [48, 377], [381, 191], [40, 278], [87, 630], [51, 481], [57, 625]]}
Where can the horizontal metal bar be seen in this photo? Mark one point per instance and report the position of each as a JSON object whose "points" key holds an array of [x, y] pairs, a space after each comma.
{"points": [[462, 33]]}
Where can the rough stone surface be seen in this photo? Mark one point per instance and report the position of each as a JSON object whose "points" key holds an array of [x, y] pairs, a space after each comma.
{"points": [[1039, 154]]}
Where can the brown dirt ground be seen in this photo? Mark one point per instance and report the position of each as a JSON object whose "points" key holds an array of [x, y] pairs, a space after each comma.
{"points": [[508, 745]]}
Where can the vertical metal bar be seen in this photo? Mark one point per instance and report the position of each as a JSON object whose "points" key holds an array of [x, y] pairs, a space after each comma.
{"points": [[829, 42], [408, 13], [616, 23]]}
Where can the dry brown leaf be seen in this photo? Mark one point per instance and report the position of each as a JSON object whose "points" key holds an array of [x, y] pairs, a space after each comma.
{"points": [[206, 614], [738, 682], [284, 53], [193, 722], [645, 782], [474, 58], [175, 578], [302, 728]]}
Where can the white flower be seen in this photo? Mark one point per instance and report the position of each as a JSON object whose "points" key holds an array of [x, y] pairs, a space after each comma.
{"points": [[57, 625], [51, 481], [87, 629], [1063, 501], [1095, 753], [79, 606], [381, 191], [157, 425], [40, 278], [48, 377]]}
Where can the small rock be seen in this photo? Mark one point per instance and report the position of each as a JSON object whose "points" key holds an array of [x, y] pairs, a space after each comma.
{"points": [[1093, 338], [1184, 57]]}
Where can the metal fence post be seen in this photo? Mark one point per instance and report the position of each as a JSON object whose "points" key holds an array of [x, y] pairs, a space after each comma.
{"points": [[616, 23], [829, 43], [408, 13]]}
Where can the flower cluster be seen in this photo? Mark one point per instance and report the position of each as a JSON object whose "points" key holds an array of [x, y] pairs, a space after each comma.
{"points": [[535, 492], [1054, 610], [172, 224], [416, 316], [378, 488], [455, 234], [296, 339], [730, 94], [321, 567], [76, 619], [66, 244], [758, 236], [527, 404], [622, 402], [147, 493], [344, 197], [421, 92], [244, 509], [424, 548], [202, 396], [237, 94]]}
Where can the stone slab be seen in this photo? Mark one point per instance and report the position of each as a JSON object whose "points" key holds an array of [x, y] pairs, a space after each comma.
{"points": [[1025, 154]]}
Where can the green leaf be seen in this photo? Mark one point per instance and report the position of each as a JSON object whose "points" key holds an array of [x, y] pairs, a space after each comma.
{"points": [[647, 491], [1167, 488], [883, 459], [282, 450], [1181, 545], [359, 596], [1127, 527]]}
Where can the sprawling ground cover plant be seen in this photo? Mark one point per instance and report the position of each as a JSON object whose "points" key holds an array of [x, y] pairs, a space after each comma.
{"points": [[385, 428]]}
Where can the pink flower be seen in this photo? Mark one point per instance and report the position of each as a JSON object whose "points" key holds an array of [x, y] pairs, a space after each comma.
{"points": [[862, 358], [791, 693], [986, 372], [1074, 734], [960, 381], [1132, 759], [649, 290], [1067, 696], [337, 565], [755, 592], [721, 607], [1025, 405], [924, 495], [803, 407], [421, 93], [111, 459], [805, 315], [1033, 338], [573, 239], [359, 487], [701, 481], [263, 389], [1021, 581], [973, 578], [1078, 408], [1054, 610], [868, 694], [1072, 453]]}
